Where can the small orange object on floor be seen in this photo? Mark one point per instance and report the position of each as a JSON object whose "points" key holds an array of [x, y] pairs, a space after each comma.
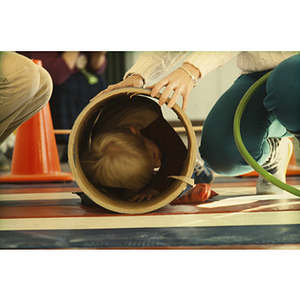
{"points": [[196, 195]]}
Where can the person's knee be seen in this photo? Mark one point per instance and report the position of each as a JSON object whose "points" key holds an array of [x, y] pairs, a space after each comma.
{"points": [[220, 158], [38, 84], [39, 87], [25, 79], [46, 86], [283, 93], [285, 78]]}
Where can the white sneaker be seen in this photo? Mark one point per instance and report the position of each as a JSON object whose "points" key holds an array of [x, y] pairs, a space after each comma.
{"points": [[285, 150]]}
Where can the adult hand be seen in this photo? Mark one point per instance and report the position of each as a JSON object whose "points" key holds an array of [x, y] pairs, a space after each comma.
{"points": [[179, 82], [133, 81]]}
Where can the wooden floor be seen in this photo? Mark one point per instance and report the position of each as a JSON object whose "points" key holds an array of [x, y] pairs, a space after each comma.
{"points": [[51, 216]]}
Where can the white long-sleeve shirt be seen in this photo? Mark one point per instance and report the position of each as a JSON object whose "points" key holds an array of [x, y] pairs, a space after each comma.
{"points": [[151, 65]]}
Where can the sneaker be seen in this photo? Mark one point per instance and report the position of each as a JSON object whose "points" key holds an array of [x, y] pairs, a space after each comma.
{"points": [[279, 160], [202, 174]]}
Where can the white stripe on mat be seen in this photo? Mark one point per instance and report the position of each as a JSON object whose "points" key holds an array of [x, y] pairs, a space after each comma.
{"points": [[154, 221]]}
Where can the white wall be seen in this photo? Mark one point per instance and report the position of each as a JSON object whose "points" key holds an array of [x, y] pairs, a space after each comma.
{"points": [[205, 94]]}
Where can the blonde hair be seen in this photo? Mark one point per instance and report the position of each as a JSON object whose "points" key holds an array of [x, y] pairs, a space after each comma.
{"points": [[120, 159]]}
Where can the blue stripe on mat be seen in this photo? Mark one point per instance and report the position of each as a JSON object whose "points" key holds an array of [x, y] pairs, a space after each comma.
{"points": [[152, 237]]}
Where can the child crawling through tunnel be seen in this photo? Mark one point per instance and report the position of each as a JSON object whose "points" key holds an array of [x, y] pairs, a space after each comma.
{"points": [[133, 150]]}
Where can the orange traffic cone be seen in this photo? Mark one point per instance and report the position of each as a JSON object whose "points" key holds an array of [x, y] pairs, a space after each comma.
{"points": [[35, 156], [292, 170]]}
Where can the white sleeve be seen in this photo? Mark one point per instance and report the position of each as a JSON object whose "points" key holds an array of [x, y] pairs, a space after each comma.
{"points": [[207, 61], [151, 65]]}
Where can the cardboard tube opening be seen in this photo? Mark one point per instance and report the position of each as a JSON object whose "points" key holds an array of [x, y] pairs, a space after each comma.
{"points": [[80, 137]]}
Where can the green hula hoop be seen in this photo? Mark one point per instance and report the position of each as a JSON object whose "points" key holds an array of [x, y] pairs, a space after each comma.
{"points": [[241, 147]]}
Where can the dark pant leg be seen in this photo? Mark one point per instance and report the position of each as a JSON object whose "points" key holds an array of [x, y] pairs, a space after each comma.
{"points": [[283, 93], [218, 148]]}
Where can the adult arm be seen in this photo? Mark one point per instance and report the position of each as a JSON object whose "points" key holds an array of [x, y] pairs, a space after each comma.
{"points": [[198, 64], [148, 66]]}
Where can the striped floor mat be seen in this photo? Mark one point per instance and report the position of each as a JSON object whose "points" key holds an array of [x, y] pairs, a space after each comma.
{"points": [[44, 218]]}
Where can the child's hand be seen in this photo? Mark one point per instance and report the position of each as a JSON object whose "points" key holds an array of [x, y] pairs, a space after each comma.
{"points": [[146, 194]]}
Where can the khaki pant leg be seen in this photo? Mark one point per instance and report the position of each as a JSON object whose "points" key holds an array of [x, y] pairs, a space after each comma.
{"points": [[25, 88]]}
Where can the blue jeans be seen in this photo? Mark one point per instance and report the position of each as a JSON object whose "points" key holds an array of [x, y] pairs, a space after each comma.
{"points": [[272, 111]]}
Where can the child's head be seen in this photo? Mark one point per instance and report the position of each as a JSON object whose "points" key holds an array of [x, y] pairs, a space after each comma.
{"points": [[121, 158]]}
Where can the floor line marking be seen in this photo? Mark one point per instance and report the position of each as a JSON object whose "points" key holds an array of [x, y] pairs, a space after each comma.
{"points": [[38, 196], [148, 221]]}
